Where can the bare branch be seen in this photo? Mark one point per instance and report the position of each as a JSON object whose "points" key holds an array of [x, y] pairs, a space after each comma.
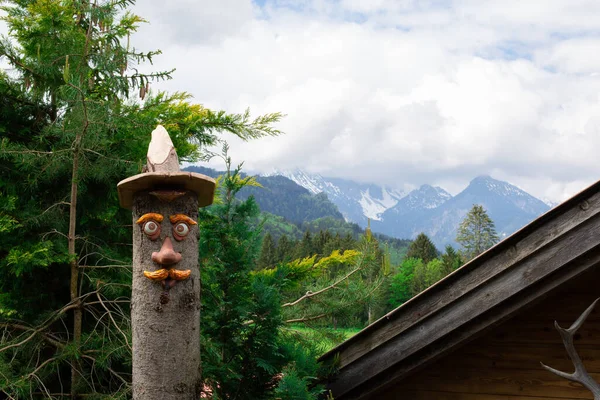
{"points": [[333, 285], [112, 371], [580, 375], [114, 322], [105, 266], [306, 319], [109, 158], [36, 152]]}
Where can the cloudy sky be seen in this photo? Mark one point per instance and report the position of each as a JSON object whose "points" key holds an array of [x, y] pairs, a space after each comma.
{"points": [[398, 92]]}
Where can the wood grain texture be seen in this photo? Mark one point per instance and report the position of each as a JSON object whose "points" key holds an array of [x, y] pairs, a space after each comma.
{"points": [[438, 395], [166, 337], [469, 314], [495, 366]]}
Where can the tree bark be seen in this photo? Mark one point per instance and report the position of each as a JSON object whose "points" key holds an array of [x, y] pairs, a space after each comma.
{"points": [[166, 336], [74, 283]]}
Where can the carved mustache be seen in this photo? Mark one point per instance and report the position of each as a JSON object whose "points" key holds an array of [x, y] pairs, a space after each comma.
{"points": [[167, 256], [162, 274]]}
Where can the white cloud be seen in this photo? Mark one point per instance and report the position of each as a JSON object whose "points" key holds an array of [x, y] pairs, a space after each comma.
{"points": [[410, 92], [573, 56], [398, 92]]}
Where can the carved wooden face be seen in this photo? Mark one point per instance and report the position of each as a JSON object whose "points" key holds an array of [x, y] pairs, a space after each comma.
{"points": [[167, 231]]}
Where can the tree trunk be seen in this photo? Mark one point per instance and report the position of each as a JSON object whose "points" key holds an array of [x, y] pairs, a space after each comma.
{"points": [[165, 298], [74, 283], [166, 334]]}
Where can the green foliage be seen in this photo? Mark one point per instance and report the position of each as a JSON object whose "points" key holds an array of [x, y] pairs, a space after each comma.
{"points": [[244, 350], [268, 253], [278, 226], [420, 278], [27, 259], [422, 247], [401, 283], [434, 272], [305, 247], [414, 275], [284, 249], [476, 232], [70, 129], [340, 290], [451, 260]]}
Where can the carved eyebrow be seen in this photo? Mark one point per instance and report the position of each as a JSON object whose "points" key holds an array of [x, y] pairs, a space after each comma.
{"points": [[181, 217], [149, 216]]}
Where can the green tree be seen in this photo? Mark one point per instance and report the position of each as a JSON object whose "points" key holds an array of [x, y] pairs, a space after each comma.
{"points": [[284, 249], [422, 247], [420, 279], [335, 243], [305, 247], [70, 130], [435, 271], [476, 232], [244, 351], [320, 242], [401, 285], [268, 252], [451, 260], [340, 287]]}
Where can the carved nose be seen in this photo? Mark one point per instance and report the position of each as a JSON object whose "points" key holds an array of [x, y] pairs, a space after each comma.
{"points": [[166, 255]]}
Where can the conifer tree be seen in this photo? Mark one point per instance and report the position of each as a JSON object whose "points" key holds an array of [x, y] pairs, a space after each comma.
{"points": [[244, 351], [320, 242], [75, 120], [348, 242], [305, 247], [335, 243], [268, 253], [476, 232], [422, 247], [284, 249], [450, 260]]}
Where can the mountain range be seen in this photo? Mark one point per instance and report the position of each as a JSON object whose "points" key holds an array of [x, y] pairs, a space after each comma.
{"points": [[301, 198], [428, 209], [357, 202]]}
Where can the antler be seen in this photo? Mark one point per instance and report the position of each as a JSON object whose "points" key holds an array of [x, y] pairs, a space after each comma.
{"points": [[580, 375]]}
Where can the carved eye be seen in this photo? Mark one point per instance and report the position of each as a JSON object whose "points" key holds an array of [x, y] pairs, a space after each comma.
{"points": [[181, 230], [151, 229]]}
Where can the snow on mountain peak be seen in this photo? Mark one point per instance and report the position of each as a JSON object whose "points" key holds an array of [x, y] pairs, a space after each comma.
{"points": [[356, 201], [507, 191], [427, 196], [314, 183], [498, 187]]}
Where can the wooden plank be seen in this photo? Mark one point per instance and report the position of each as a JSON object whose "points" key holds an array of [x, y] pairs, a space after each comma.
{"points": [[564, 250], [588, 334], [470, 276], [496, 381], [438, 395], [481, 355], [459, 336]]}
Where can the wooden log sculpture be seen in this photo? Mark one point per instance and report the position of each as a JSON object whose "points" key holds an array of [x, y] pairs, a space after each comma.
{"points": [[165, 300], [580, 375]]}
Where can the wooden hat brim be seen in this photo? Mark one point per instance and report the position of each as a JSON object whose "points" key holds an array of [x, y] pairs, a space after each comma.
{"points": [[200, 184]]}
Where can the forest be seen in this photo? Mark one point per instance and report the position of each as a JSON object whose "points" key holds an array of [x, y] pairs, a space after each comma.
{"points": [[76, 114]]}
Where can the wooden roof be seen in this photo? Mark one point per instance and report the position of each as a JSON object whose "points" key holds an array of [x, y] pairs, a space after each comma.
{"points": [[516, 272]]}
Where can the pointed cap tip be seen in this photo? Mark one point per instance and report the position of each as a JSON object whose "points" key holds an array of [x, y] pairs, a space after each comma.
{"points": [[160, 145]]}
